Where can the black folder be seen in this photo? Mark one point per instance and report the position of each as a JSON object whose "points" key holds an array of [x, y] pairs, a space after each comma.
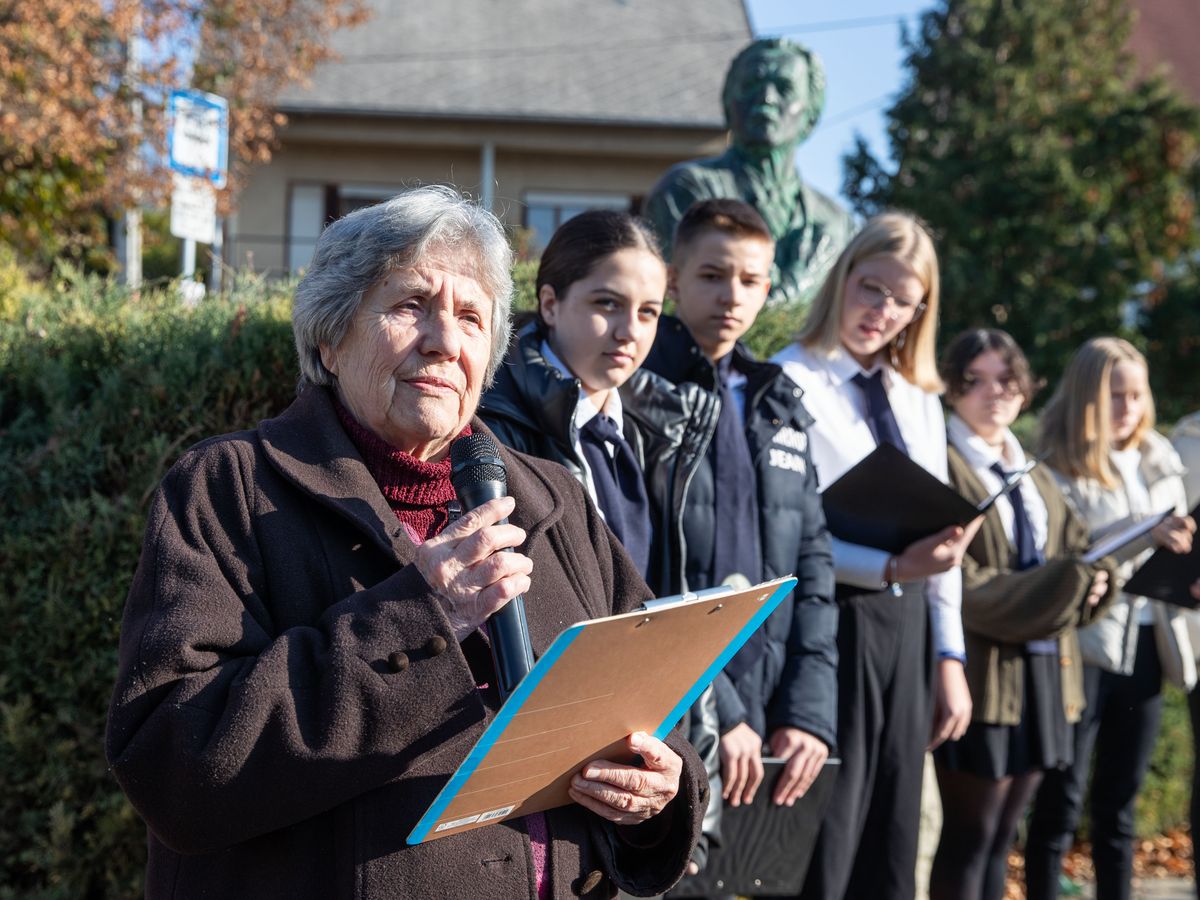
{"points": [[765, 849], [887, 501], [1167, 576]]}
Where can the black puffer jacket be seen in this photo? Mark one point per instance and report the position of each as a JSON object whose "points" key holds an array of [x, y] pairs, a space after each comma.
{"points": [[794, 679], [531, 408]]}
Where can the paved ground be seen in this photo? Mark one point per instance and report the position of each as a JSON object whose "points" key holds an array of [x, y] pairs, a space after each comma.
{"points": [[1156, 889]]}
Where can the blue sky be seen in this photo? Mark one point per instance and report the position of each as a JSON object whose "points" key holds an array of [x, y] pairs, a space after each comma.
{"points": [[859, 42]]}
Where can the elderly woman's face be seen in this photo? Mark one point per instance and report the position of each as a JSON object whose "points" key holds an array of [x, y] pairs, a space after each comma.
{"points": [[412, 364]]}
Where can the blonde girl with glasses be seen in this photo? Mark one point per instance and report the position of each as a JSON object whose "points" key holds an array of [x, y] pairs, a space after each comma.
{"points": [[1098, 436], [1024, 592], [865, 361]]}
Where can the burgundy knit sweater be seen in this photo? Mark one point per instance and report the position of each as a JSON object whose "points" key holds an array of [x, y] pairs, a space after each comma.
{"points": [[417, 491]]}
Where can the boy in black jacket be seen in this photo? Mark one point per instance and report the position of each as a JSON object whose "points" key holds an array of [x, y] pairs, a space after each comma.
{"points": [[751, 510]]}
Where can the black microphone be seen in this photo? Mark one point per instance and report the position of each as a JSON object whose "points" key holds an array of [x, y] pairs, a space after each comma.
{"points": [[478, 475]]}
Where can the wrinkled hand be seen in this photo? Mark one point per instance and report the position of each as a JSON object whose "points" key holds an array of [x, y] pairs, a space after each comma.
{"points": [[937, 553], [951, 703], [466, 569], [805, 754], [1099, 587], [741, 764], [628, 795], [1175, 533]]}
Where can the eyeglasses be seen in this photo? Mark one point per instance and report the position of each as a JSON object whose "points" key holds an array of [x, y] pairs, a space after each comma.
{"points": [[872, 294], [1009, 386]]}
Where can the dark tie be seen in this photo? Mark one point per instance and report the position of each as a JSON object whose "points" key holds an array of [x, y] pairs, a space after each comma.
{"points": [[620, 490], [736, 548], [880, 418], [1028, 554]]}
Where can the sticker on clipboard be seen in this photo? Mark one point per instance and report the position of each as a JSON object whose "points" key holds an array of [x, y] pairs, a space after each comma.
{"points": [[457, 823], [495, 814]]}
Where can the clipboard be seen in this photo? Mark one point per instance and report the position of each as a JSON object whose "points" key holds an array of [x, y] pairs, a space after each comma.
{"points": [[1167, 576], [765, 849], [596, 684], [887, 501]]}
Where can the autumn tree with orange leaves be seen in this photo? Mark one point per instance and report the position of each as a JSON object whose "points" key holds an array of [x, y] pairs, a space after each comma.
{"points": [[73, 150]]}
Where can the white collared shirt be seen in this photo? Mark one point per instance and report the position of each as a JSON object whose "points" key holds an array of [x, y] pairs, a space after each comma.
{"points": [[585, 411], [980, 456], [840, 438]]}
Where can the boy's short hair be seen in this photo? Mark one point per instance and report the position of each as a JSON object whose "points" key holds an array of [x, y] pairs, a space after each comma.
{"points": [[735, 218]]}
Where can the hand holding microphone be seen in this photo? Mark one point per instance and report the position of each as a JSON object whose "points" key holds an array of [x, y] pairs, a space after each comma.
{"points": [[464, 567], [471, 564]]}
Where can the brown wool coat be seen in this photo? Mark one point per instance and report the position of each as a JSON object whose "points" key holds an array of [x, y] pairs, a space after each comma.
{"points": [[1002, 609], [257, 725]]}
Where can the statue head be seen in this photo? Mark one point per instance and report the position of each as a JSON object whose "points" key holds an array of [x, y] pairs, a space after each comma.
{"points": [[774, 93]]}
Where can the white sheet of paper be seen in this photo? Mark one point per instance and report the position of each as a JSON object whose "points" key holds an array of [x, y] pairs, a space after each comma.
{"points": [[1119, 539]]}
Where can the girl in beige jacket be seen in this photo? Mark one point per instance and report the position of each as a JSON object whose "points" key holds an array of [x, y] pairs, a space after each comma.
{"points": [[1098, 435]]}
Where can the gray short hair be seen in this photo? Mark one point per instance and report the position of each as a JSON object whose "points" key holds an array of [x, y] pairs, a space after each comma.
{"points": [[358, 250]]}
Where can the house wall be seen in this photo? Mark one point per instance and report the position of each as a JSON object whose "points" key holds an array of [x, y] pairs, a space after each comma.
{"points": [[326, 166]]}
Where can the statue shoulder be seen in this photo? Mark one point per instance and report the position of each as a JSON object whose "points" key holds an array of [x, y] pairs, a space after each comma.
{"points": [[835, 218], [682, 185]]}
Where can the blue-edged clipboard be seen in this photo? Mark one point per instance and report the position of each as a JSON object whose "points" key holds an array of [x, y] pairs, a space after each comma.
{"points": [[599, 682]]}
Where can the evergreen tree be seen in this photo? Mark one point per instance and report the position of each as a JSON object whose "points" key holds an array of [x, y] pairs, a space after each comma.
{"points": [[1058, 182]]}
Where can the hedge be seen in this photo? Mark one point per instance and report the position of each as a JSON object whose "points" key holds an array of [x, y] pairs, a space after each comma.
{"points": [[100, 391]]}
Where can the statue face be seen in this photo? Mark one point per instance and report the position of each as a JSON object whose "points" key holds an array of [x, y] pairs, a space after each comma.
{"points": [[768, 101]]}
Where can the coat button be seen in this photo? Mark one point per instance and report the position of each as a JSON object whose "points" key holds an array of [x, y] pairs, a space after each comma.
{"points": [[436, 645], [776, 422], [589, 884], [796, 392], [398, 661]]}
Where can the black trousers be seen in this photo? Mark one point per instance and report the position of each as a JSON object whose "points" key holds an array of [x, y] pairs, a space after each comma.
{"points": [[1121, 723], [868, 841]]}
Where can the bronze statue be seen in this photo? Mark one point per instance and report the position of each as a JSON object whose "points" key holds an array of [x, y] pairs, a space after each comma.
{"points": [[774, 93]]}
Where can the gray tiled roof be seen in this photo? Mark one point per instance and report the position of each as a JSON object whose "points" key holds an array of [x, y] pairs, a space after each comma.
{"points": [[637, 61]]}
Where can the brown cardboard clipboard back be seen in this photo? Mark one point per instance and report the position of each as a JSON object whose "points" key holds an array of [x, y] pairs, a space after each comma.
{"points": [[597, 683]]}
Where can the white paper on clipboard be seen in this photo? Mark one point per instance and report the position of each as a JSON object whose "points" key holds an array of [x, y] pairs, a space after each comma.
{"points": [[1114, 542]]}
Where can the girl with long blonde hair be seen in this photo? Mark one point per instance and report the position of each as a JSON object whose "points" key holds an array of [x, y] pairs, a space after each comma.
{"points": [[1098, 436], [865, 361]]}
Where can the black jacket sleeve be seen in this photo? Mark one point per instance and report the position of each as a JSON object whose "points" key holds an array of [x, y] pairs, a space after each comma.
{"points": [[807, 694]]}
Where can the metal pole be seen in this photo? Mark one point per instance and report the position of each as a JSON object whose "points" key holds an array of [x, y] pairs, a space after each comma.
{"points": [[189, 258], [487, 175], [217, 250]]}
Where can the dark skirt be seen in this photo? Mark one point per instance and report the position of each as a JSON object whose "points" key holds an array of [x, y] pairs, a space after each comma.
{"points": [[1042, 740]]}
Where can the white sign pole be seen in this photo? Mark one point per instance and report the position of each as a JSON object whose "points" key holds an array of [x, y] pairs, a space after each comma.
{"points": [[189, 258]]}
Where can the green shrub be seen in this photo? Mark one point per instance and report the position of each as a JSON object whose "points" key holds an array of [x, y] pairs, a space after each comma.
{"points": [[100, 393], [1163, 802]]}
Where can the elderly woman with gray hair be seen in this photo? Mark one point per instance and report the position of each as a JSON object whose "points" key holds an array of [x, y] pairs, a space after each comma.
{"points": [[301, 662]]}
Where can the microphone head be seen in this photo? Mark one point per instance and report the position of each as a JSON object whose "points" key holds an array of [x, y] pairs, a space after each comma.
{"points": [[474, 459]]}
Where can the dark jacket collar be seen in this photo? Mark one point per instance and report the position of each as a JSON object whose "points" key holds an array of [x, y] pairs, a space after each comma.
{"points": [[677, 357], [308, 446], [533, 392]]}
